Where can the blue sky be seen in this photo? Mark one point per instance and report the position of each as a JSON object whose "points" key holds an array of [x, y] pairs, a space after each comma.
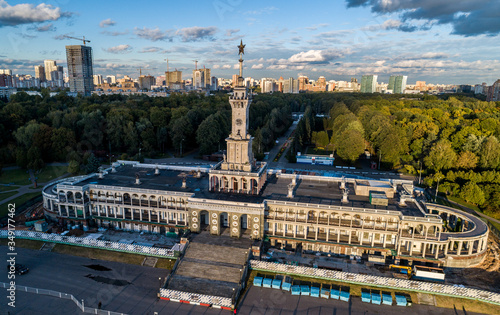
{"points": [[438, 41]]}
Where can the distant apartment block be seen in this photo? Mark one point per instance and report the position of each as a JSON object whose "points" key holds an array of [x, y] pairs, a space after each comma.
{"points": [[40, 73], [494, 92], [172, 77], [397, 84], [80, 70], [369, 83]]}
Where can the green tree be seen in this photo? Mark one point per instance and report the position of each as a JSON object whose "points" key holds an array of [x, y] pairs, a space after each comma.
{"points": [[441, 156], [92, 164], [490, 153], [467, 160], [209, 135], [73, 167], [62, 142], [350, 145], [472, 193], [34, 157]]}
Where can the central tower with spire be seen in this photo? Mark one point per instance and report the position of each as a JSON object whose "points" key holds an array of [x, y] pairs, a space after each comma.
{"points": [[239, 143], [242, 173]]}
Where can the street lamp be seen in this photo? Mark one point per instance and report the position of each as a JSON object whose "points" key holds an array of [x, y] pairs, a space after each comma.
{"points": [[181, 147], [379, 157], [159, 280], [420, 172]]}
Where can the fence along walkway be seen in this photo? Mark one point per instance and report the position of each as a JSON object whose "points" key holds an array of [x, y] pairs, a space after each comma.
{"points": [[81, 305], [383, 282], [93, 243]]}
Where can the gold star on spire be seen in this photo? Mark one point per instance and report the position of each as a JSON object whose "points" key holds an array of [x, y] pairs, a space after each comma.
{"points": [[241, 47]]}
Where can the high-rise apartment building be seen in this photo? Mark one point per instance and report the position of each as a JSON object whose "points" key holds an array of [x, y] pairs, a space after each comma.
{"points": [[369, 83], [146, 81], [235, 80], [201, 78], [111, 79], [98, 79], [49, 66], [494, 92], [172, 77], [397, 83], [80, 70], [303, 82], [40, 73]]}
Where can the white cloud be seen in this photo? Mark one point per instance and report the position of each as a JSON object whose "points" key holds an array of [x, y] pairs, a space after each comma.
{"points": [[216, 67], [224, 67], [316, 56], [196, 33], [230, 32], [152, 50], [25, 13], [120, 49], [46, 28], [259, 66], [107, 22], [152, 34]]}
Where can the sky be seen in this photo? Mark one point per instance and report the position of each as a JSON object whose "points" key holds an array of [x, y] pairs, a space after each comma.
{"points": [[438, 41]]}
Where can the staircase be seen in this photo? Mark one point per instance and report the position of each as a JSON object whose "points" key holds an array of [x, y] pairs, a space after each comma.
{"points": [[212, 265]]}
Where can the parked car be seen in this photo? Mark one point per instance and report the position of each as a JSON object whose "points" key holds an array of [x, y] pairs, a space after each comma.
{"points": [[20, 269]]}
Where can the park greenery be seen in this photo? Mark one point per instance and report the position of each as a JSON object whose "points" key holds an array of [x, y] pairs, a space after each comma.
{"points": [[87, 131], [453, 139]]}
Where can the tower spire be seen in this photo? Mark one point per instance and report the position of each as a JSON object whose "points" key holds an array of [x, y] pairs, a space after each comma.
{"points": [[241, 48]]}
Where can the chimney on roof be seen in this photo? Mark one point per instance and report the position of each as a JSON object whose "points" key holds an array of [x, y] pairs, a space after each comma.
{"points": [[113, 169], [157, 170], [342, 183], [344, 196], [184, 185], [291, 191], [137, 180]]}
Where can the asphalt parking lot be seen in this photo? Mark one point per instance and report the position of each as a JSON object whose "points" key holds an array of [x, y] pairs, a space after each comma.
{"points": [[130, 289], [133, 289], [271, 301]]}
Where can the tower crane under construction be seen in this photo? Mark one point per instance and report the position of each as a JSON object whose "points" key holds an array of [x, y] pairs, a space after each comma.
{"points": [[85, 41]]}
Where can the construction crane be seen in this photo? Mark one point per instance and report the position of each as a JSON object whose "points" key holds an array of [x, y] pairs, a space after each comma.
{"points": [[140, 72], [167, 63], [85, 41], [195, 64]]}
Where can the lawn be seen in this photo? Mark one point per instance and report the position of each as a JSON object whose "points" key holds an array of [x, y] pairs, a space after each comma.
{"points": [[15, 177], [6, 195], [30, 244], [19, 201], [51, 172], [109, 255], [21, 177], [7, 188]]}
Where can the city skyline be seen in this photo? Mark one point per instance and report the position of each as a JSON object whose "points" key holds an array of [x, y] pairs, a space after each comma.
{"points": [[342, 40]]}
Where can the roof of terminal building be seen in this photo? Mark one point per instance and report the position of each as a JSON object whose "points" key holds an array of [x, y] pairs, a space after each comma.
{"points": [[276, 188]]}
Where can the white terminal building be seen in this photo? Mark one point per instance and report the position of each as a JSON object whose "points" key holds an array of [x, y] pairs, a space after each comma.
{"points": [[243, 198]]}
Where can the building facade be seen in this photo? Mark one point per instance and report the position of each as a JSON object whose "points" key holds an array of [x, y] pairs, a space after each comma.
{"points": [[80, 69], [397, 84], [173, 77], [369, 83]]}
